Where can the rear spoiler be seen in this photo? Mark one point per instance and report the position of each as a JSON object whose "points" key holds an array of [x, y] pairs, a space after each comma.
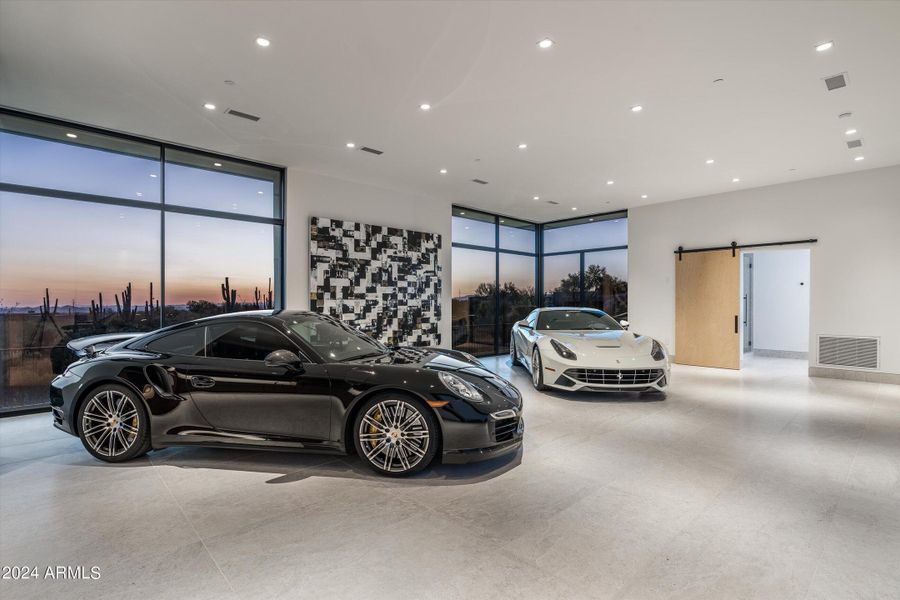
{"points": [[81, 345]]}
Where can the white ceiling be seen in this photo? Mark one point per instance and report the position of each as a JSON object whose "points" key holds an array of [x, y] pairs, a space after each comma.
{"points": [[341, 71]]}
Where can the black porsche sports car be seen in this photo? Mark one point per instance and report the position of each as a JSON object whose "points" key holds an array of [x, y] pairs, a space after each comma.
{"points": [[287, 380]]}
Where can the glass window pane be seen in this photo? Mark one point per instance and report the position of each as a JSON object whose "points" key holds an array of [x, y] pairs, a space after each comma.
{"points": [[217, 265], [516, 292], [244, 341], [210, 183], [606, 281], [585, 234], [69, 269], [474, 305], [562, 280], [39, 154], [186, 342], [472, 227], [516, 235]]}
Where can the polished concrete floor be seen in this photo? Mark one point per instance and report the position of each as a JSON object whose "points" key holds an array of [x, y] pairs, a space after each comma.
{"points": [[754, 484]]}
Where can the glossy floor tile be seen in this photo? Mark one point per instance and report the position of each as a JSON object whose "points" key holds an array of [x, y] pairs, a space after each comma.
{"points": [[762, 483]]}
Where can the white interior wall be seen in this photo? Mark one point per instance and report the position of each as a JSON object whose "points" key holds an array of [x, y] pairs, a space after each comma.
{"points": [[780, 305], [313, 195], [854, 279]]}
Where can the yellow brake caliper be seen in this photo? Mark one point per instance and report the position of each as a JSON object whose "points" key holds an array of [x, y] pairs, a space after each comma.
{"points": [[373, 429]]}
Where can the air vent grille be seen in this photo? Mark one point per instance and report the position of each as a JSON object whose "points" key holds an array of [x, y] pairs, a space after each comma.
{"points": [[481, 181], [243, 115], [372, 150], [836, 82], [854, 143], [552, 202], [852, 352]]}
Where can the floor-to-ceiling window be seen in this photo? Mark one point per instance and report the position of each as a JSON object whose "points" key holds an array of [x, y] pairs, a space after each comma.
{"points": [[104, 233], [586, 263], [493, 279]]}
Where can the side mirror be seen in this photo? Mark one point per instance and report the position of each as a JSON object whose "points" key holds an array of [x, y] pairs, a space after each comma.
{"points": [[286, 359], [624, 324], [524, 324]]}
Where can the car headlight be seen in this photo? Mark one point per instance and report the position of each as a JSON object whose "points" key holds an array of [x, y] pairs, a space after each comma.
{"points": [[460, 387], [657, 352], [562, 350]]}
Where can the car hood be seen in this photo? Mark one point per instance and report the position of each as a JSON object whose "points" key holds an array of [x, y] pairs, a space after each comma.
{"points": [[615, 343]]}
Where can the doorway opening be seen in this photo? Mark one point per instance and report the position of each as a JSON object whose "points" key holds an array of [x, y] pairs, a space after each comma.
{"points": [[775, 303]]}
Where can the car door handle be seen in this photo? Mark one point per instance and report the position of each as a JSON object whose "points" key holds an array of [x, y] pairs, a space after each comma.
{"points": [[202, 382]]}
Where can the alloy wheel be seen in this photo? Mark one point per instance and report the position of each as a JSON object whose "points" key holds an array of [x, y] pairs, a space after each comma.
{"points": [[513, 355], [394, 436], [536, 369], [110, 423]]}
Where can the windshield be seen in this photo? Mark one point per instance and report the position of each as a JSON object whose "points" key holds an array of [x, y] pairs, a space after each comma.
{"points": [[332, 340], [576, 320]]}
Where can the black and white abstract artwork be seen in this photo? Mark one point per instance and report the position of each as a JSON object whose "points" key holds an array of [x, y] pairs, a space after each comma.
{"points": [[383, 280]]}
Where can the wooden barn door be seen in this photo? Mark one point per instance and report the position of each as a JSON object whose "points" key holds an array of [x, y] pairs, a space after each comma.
{"points": [[707, 306]]}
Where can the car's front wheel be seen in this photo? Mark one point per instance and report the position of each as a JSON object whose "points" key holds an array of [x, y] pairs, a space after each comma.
{"points": [[395, 435], [537, 371], [113, 424]]}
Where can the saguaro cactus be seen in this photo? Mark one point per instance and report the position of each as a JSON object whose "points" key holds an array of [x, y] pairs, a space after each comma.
{"points": [[229, 296]]}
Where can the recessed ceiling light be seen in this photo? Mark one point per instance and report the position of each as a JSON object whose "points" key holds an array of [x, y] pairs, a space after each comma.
{"points": [[536, 198], [502, 221], [710, 161], [425, 106], [574, 208], [545, 43], [850, 132], [824, 46], [462, 213], [261, 41], [351, 145], [217, 164], [735, 179], [610, 182], [637, 108], [859, 158], [259, 192], [153, 175], [71, 135], [522, 146], [209, 106], [443, 171], [644, 196], [139, 194], [591, 219]]}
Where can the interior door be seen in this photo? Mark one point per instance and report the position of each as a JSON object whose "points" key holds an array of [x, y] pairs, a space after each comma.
{"points": [[707, 309]]}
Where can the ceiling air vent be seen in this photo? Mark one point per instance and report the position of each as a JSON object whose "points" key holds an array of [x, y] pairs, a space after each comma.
{"points": [[481, 181], [854, 143], [552, 202], [851, 352], [372, 150], [836, 82], [243, 115]]}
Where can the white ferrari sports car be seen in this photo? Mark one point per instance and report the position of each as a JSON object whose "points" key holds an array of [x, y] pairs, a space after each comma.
{"points": [[586, 349]]}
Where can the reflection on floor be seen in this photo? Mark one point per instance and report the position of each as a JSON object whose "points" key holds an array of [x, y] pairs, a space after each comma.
{"points": [[754, 484]]}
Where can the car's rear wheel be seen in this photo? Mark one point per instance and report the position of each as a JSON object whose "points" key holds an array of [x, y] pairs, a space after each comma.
{"points": [[113, 424], [537, 371], [513, 353], [395, 435]]}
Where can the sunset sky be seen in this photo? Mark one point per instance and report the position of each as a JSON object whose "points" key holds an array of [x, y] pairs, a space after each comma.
{"points": [[79, 249]]}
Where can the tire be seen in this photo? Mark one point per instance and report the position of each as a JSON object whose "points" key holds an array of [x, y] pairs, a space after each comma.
{"points": [[513, 353], [113, 424], [537, 371], [393, 441]]}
